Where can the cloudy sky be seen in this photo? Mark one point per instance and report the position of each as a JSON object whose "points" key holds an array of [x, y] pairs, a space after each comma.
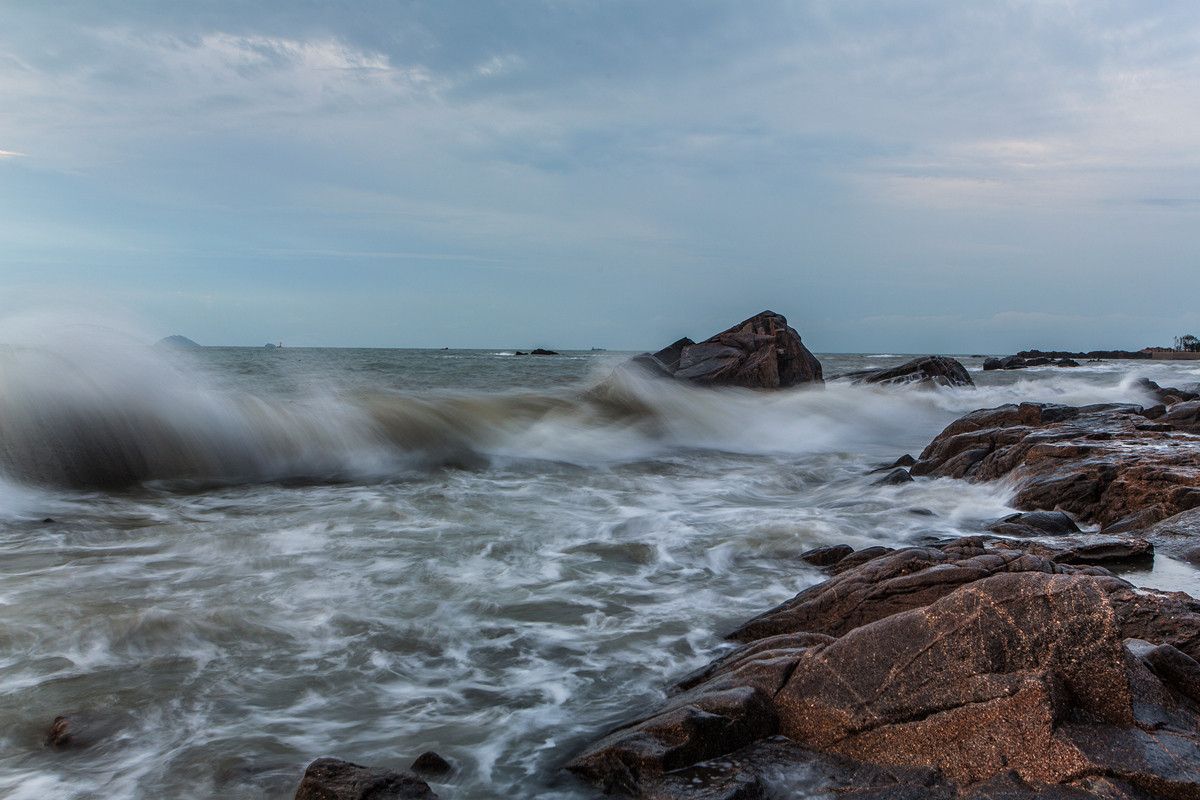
{"points": [[902, 176]]}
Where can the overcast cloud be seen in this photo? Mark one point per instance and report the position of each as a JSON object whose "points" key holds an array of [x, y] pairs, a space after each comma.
{"points": [[892, 176]]}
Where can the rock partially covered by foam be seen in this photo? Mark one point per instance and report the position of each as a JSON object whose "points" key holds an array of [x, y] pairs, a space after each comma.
{"points": [[1108, 464], [86, 729], [332, 779], [763, 352], [924, 371], [968, 670]]}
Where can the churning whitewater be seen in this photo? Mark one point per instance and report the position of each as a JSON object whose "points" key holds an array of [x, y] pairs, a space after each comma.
{"points": [[242, 560]]}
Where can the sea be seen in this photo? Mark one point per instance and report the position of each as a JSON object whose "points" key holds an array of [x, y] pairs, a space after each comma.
{"points": [[245, 559]]}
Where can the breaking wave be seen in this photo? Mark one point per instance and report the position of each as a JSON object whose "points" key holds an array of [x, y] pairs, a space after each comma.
{"points": [[101, 411]]}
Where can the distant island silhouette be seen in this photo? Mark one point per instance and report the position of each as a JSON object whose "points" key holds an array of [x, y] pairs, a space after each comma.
{"points": [[176, 341]]}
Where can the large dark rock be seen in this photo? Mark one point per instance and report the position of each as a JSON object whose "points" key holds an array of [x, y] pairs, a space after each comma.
{"points": [[1105, 464], [928, 371], [331, 779], [761, 353], [965, 670]]}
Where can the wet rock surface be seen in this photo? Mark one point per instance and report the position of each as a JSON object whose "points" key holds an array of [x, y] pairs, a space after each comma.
{"points": [[762, 352], [969, 669], [1110, 465], [926, 371], [332, 779]]}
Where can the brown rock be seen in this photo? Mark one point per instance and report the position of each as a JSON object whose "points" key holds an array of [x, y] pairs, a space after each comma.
{"points": [[1035, 523], [331, 779], [1177, 535], [953, 671], [888, 584], [762, 352], [1101, 463], [1095, 550]]}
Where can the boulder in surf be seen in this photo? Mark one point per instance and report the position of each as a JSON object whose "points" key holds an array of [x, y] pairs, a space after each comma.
{"points": [[925, 371], [332, 779], [762, 352]]}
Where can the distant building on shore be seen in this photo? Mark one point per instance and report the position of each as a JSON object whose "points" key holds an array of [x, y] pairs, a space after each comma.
{"points": [[1187, 348]]}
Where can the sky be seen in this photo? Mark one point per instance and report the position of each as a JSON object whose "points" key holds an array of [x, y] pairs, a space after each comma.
{"points": [[903, 176]]}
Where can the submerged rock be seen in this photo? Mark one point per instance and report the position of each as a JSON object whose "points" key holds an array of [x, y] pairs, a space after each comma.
{"points": [[964, 670], [762, 352], [331, 779], [430, 763], [928, 370], [86, 729], [895, 478]]}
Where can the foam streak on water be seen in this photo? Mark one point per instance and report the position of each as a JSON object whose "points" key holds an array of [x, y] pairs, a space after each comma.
{"points": [[258, 558]]}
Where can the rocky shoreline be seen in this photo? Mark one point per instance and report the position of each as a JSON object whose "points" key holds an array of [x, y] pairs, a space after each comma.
{"points": [[1010, 665], [1006, 665], [968, 668]]}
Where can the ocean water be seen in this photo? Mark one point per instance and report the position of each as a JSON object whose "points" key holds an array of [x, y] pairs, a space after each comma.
{"points": [[253, 558]]}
